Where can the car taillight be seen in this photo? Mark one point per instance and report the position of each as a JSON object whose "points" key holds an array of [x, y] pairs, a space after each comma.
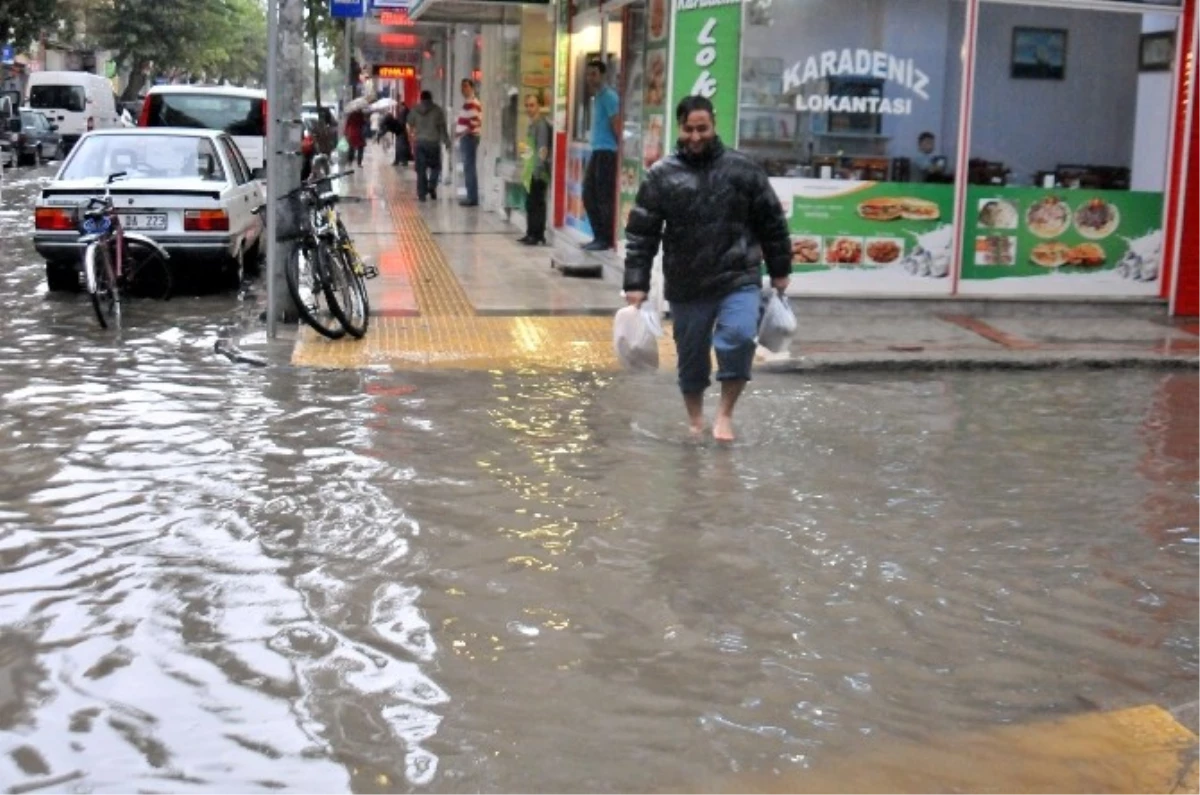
{"points": [[91, 125], [53, 219], [144, 116], [306, 144], [206, 221]]}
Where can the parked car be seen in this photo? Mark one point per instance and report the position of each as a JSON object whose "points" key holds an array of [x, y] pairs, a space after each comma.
{"points": [[78, 102], [191, 191], [33, 138], [239, 112], [8, 111]]}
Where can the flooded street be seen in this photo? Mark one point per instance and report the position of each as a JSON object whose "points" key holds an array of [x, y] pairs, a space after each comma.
{"points": [[218, 577]]}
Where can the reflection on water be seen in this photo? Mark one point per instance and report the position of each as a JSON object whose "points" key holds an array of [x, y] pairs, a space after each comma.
{"points": [[219, 577]]}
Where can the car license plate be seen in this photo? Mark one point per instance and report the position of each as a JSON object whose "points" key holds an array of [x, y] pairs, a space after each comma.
{"points": [[144, 221]]}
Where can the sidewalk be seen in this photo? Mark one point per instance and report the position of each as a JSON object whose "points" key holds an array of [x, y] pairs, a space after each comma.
{"points": [[457, 291]]}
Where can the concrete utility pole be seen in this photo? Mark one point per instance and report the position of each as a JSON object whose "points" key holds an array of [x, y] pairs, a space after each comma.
{"points": [[285, 89]]}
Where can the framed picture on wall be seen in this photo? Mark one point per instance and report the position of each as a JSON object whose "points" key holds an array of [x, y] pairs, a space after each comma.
{"points": [[1157, 51], [1039, 53]]}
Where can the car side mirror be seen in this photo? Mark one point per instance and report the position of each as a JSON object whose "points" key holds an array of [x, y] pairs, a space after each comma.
{"points": [[53, 127], [14, 125], [259, 173]]}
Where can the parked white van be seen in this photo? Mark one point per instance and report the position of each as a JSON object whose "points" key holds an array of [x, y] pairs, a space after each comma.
{"points": [[241, 113], [78, 102]]}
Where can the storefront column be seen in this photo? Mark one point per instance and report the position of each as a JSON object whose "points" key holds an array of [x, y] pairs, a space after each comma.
{"points": [[962, 162], [1183, 242]]}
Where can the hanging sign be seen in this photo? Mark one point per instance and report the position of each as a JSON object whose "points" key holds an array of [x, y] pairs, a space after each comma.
{"points": [[345, 9]]}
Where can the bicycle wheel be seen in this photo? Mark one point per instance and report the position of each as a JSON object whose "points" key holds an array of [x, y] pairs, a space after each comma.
{"points": [[345, 290], [306, 282], [145, 273], [102, 284]]}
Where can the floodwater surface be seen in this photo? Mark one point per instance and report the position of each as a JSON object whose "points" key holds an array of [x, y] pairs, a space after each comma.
{"points": [[218, 577]]}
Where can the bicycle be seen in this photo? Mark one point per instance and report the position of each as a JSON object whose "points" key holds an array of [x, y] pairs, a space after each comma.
{"points": [[108, 266], [324, 274]]}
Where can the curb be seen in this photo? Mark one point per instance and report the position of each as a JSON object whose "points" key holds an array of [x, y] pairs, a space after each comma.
{"points": [[841, 363]]}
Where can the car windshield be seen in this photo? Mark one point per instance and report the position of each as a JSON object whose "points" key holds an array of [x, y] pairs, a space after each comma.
{"points": [[70, 98], [29, 120], [232, 115], [145, 157]]}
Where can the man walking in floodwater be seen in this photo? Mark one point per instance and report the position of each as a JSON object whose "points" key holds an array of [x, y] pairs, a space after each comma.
{"points": [[718, 219]]}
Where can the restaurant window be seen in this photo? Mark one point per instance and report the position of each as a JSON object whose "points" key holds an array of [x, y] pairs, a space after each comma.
{"points": [[1069, 150], [852, 106]]}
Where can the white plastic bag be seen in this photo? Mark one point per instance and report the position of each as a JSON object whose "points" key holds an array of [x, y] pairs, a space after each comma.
{"points": [[636, 330], [778, 321]]}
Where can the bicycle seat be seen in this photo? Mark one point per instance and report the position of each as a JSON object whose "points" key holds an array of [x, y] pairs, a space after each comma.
{"points": [[329, 198]]}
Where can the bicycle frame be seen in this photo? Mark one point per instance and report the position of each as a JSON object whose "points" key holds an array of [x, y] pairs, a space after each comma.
{"points": [[115, 231], [115, 236]]}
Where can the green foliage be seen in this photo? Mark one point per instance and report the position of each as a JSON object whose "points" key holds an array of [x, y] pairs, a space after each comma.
{"points": [[21, 21], [215, 39]]}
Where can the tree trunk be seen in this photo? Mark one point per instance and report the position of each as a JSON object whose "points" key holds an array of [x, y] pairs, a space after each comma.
{"points": [[316, 65], [137, 79]]}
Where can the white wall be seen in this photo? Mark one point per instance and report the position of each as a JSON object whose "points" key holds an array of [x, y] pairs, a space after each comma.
{"points": [[1086, 118], [1153, 118]]}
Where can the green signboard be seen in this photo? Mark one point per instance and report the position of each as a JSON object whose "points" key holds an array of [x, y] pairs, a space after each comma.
{"points": [[708, 42], [1014, 232]]}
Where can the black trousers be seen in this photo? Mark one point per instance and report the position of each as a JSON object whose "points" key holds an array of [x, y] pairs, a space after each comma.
{"points": [[535, 210], [401, 155], [599, 194], [429, 168]]}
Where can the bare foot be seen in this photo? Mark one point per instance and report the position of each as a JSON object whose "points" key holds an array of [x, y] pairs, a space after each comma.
{"points": [[723, 429], [696, 429]]}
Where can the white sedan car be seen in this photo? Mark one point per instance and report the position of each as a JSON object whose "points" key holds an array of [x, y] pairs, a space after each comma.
{"points": [[189, 190]]}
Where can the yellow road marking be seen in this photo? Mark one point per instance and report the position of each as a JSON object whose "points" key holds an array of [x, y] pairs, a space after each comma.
{"points": [[1143, 749]]}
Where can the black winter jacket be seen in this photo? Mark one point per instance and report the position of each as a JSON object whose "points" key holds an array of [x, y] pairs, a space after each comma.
{"points": [[722, 219]]}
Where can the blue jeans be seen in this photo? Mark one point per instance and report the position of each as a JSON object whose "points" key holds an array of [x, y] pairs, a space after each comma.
{"points": [[729, 324], [470, 146]]}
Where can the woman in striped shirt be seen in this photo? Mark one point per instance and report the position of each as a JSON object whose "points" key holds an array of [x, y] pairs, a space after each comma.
{"points": [[467, 130]]}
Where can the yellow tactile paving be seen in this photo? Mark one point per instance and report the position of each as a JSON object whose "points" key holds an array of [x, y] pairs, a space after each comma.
{"points": [[437, 291], [1142, 749], [474, 343], [448, 334]]}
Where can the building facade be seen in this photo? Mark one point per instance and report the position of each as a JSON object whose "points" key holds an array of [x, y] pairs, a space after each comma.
{"points": [[943, 148]]}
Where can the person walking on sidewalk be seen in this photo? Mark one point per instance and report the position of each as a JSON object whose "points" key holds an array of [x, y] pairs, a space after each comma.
{"points": [[537, 172], [356, 135], [717, 217], [427, 125], [397, 125], [467, 130], [600, 179]]}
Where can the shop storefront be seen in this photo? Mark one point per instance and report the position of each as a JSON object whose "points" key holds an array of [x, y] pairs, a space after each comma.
{"points": [[631, 39], [518, 62], [507, 50], [944, 146], [920, 147]]}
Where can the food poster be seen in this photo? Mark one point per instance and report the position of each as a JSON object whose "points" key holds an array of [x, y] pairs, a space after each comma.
{"points": [[1061, 242], [869, 237], [578, 156], [648, 99]]}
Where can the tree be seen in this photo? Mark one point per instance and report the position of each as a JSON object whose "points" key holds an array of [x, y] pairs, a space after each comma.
{"points": [[215, 38], [324, 34], [21, 21]]}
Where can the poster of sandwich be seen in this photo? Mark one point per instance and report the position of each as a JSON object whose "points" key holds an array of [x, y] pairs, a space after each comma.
{"points": [[1025, 240], [861, 236]]}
